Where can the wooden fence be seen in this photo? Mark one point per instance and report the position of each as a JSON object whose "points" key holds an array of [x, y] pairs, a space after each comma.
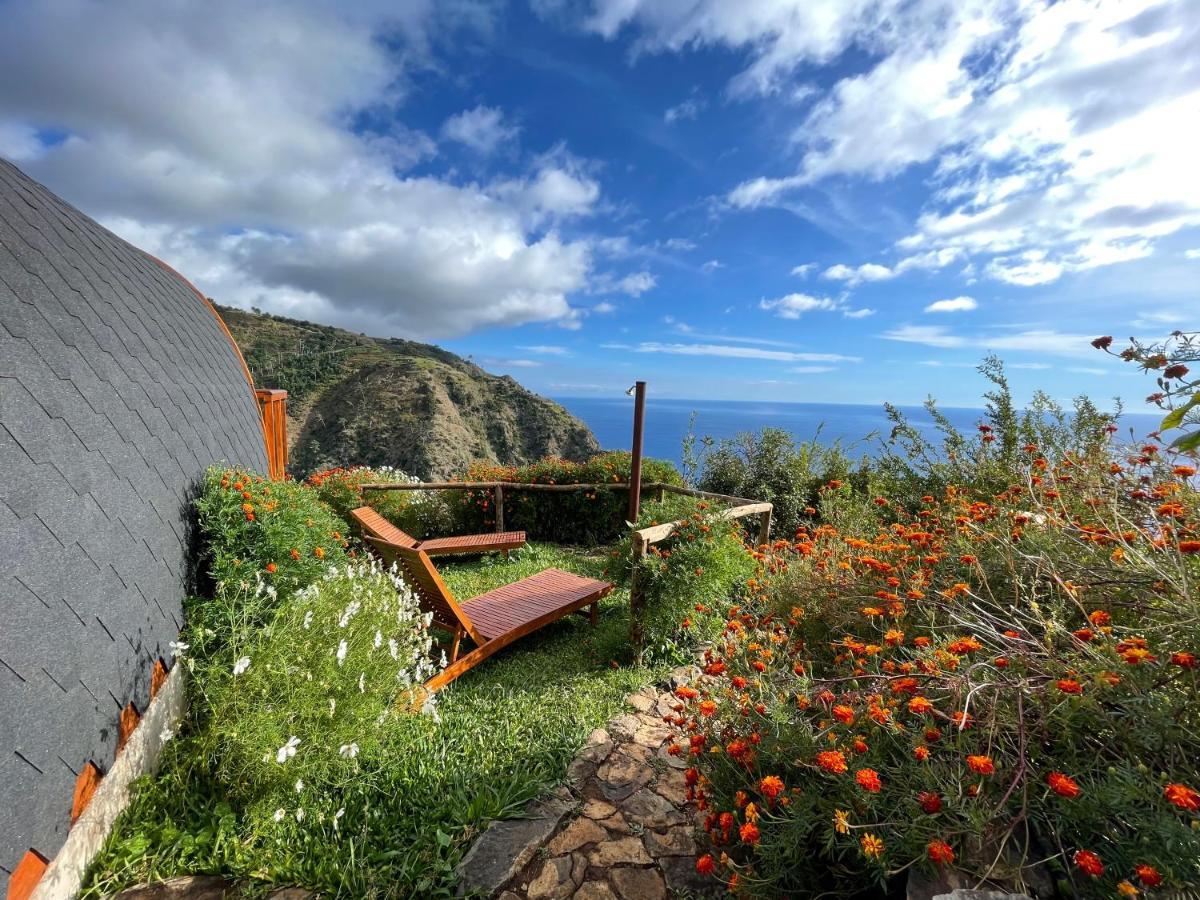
{"points": [[643, 539], [273, 406]]}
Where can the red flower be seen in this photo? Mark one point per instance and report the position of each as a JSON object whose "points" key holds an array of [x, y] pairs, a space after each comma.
{"points": [[982, 765], [1063, 785], [1070, 686], [843, 714], [1148, 875], [940, 852], [931, 802], [295, 554], [1176, 371], [1102, 343], [868, 780], [271, 567], [707, 707], [706, 865], [921, 754], [749, 833], [920, 706], [1184, 660], [1089, 863], [1189, 546], [771, 786], [832, 761], [1183, 796]]}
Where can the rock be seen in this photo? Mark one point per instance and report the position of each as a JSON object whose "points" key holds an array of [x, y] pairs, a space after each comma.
{"points": [[650, 810], [652, 736], [671, 787], [579, 866], [509, 895], [581, 831], [638, 884], [594, 890], [666, 705], [191, 887], [675, 762], [967, 894], [677, 841], [599, 745], [950, 884], [506, 847], [623, 851], [640, 702], [616, 823], [623, 728], [683, 675], [683, 879], [291, 893], [598, 809], [579, 772], [620, 776], [553, 882]]}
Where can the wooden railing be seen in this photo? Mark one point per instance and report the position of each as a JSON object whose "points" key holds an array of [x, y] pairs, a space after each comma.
{"points": [[643, 539], [273, 406]]}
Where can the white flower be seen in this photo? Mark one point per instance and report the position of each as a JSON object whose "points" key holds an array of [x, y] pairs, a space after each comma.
{"points": [[299, 814], [241, 665], [288, 750], [332, 707], [378, 639], [393, 648], [308, 619], [166, 734], [279, 814], [341, 653], [354, 607], [178, 648], [337, 815], [299, 785], [348, 751], [362, 682]]}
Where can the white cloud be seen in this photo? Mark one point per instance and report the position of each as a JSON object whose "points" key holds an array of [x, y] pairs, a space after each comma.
{"points": [[858, 313], [731, 352], [634, 284], [955, 304], [712, 265], [855, 275], [1086, 370], [1062, 127], [688, 109], [793, 306], [483, 129], [1035, 341], [603, 308], [930, 335], [802, 271], [1035, 366], [677, 243], [1194, 253], [812, 370], [546, 350], [221, 139]]}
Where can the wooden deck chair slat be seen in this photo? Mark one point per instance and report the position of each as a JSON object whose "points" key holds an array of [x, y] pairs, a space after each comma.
{"points": [[375, 525]]}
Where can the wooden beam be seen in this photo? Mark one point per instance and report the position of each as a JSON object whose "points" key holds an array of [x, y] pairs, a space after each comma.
{"points": [[499, 508], [26, 875], [125, 725], [85, 786], [637, 599], [657, 533]]}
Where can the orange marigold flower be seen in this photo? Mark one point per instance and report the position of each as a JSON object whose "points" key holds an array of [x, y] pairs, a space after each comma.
{"points": [[931, 802], [871, 846], [963, 646], [1182, 796], [868, 780], [843, 714], [920, 705], [295, 554], [749, 833], [271, 567], [1189, 546], [1089, 863], [319, 552], [981, 765], [1184, 471], [1063, 785], [1184, 660], [707, 707], [921, 754], [832, 761], [921, 641], [1084, 634], [1099, 618], [940, 852], [706, 865], [1148, 875], [771, 786], [1126, 889], [1070, 686]]}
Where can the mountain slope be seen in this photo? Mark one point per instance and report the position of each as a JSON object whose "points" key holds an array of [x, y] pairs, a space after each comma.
{"points": [[354, 399]]}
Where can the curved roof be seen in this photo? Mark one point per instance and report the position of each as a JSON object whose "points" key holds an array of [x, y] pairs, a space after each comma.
{"points": [[118, 387]]}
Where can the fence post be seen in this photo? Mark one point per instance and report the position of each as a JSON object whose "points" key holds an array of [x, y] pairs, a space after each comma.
{"points": [[659, 492], [273, 407], [764, 527], [637, 600], [499, 509]]}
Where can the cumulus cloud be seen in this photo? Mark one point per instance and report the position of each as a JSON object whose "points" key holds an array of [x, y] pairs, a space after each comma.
{"points": [[793, 306], [483, 129], [229, 139], [1063, 128], [688, 109], [954, 304], [856, 275]]}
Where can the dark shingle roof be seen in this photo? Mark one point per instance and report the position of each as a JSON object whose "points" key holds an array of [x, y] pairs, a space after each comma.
{"points": [[118, 388]]}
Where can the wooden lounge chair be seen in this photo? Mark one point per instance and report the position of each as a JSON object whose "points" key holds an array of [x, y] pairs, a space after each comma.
{"points": [[376, 526], [495, 619]]}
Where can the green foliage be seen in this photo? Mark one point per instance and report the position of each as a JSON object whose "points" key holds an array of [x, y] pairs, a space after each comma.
{"points": [[276, 531], [772, 466], [1177, 393], [421, 514], [422, 786], [565, 517]]}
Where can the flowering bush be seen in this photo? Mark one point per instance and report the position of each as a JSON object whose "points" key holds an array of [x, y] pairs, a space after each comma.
{"points": [[278, 532], [421, 514], [982, 679], [564, 517], [1177, 393]]}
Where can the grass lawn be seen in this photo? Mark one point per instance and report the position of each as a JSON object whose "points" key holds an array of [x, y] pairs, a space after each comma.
{"points": [[507, 730]]}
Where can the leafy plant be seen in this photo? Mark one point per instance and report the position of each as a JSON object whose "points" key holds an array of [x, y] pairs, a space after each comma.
{"points": [[421, 514], [1177, 393]]}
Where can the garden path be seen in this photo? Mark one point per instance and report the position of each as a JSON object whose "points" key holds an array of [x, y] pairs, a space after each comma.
{"points": [[621, 828]]}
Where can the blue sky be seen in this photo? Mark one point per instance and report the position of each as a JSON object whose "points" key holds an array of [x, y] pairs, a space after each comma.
{"points": [[828, 200]]}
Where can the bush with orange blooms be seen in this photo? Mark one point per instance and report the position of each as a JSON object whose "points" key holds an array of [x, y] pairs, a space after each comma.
{"points": [[983, 678], [421, 514]]}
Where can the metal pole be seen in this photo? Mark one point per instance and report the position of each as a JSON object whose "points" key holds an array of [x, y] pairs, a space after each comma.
{"points": [[635, 469]]}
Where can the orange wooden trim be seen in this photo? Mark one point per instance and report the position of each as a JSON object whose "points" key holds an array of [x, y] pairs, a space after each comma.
{"points": [[85, 786], [158, 677], [128, 721], [272, 404], [26, 875]]}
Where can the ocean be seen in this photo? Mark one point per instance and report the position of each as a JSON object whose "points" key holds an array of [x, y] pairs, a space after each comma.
{"points": [[611, 420]]}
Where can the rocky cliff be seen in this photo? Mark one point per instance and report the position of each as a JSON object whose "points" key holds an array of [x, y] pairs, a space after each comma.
{"points": [[354, 399]]}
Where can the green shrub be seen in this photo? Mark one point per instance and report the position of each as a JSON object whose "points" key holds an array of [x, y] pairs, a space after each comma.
{"points": [[564, 517], [278, 531], [421, 514]]}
